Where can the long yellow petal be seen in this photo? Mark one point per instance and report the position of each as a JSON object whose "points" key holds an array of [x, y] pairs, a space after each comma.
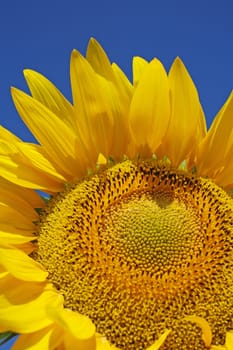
{"points": [[28, 177], [187, 124], [35, 156], [60, 142], [123, 84], [12, 200], [122, 136], [79, 331], [7, 135], [52, 337], [98, 59], [28, 169], [218, 143], [139, 65], [150, 108], [28, 195], [45, 92], [29, 300], [223, 173], [21, 266], [97, 107], [13, 229], [12, 238], [40, 340], [27, 247], [7, 213]]}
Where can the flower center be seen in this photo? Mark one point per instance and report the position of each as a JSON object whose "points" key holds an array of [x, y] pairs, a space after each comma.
{"points": [[137, 248], [150, 232]]}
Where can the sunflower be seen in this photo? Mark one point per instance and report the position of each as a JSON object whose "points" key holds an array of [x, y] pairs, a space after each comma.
{"points": [[132, 248]]}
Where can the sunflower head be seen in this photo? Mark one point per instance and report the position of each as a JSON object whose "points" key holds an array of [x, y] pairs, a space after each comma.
{"points": [[133, 248]]}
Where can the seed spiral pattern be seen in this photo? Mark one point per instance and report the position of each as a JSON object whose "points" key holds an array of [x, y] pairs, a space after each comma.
{"points": [[137, 248]]}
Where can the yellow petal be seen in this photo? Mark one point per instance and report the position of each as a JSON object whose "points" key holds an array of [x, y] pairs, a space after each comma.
{"points": [[187, 124], [29, 196], [98, 59], [13, 200], [103, 344], [23, 304], [97, 107], [3, 273], [27, 247], [17, 172], [18, 169], [13, 237], [122, 95], [218, 144], [20, 220], [40, 340], [102, 160], [150, 107], [15, 230], [79, 331], [229, 340], [139, 65], [123, 84], [21, 266], [223, 174], [160, 341], [58, 140], [228, 344], [7, 135], [205, 327], [36, 158], [45, 92]]}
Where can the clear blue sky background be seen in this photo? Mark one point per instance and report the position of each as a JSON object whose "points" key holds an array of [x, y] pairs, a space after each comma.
{"points": [[41, 34]]}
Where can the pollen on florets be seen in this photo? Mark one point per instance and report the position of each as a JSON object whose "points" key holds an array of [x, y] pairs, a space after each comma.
{"points": [[137, 248]]}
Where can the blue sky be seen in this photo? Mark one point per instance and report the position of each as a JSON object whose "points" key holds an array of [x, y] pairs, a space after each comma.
{"points": [[41, 34]]}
